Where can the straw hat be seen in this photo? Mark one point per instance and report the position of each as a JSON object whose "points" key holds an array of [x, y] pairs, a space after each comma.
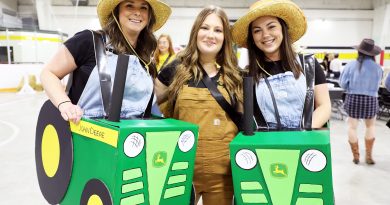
{"points": [[368, 47], [283, 9], [161, 11]]}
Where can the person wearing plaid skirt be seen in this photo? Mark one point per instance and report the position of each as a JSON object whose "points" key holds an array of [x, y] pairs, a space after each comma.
{"points": [[361, 78]]}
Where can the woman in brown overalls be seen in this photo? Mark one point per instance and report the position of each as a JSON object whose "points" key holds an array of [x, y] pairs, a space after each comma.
{"points": [[209, 51]]}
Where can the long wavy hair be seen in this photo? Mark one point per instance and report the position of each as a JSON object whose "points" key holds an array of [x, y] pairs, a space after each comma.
{"points": [[189, 58], [146, 42], [170, 48], [287, 54]]}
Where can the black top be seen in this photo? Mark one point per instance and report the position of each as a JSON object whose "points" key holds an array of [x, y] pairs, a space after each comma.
{"points": [[275, 67], [167, 74], [82, 49]]}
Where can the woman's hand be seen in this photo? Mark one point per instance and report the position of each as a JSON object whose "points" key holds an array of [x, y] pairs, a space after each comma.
{"points": [[70, 112]]}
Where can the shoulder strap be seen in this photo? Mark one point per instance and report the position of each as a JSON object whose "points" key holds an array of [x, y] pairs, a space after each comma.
{"points": [[229, 109], [166, 61], [258, 116], [104, 73], [148, 110], [308, 64], [277, 116]]}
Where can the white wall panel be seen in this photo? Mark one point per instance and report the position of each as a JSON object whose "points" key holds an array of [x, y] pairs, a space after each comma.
{"points": [[9, 4]]}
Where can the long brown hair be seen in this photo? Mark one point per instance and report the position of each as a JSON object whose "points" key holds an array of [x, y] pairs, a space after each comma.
{"points": [[170, 49], [189, 59], [146, 42], [287, 54]]}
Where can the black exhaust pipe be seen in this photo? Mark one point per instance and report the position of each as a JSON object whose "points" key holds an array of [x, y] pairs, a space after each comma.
{"points": [[248, 105]]}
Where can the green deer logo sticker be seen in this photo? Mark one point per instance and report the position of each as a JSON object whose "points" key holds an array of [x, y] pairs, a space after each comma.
{"points": [[159, 159], [279, 170]]}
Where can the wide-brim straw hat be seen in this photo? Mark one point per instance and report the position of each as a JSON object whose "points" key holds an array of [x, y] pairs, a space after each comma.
{"points": [[286, 10], [161, 11], [368, 47]]}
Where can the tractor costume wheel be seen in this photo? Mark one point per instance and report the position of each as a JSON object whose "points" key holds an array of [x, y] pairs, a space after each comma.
{"points": [[53, 153], [95, 193]]}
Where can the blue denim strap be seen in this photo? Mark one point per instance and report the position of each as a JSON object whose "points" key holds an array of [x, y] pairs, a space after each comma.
{"points": [[277, 116]]}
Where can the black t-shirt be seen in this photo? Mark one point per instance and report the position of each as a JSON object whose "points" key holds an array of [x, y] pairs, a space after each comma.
{"points": [[167, 74], [82, 49], [275, 67]]}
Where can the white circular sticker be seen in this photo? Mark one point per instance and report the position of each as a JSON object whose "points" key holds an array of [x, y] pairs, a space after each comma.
{"points": [[246, 159], [134, 144], [313, 160], [186, 141]]}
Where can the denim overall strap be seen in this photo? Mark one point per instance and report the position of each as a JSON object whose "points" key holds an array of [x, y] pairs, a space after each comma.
{"points": [[308, 64], [277, 116], [261, 123], [104, 73], [118, 89]]}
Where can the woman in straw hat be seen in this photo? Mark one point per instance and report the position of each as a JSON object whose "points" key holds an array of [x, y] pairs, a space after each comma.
{"points": [[268, 30], [361, 79], [208, 57], [127, 28]]}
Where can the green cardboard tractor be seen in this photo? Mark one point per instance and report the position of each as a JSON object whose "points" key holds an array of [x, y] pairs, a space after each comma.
{"points": [[281, 167], [99, 162]]}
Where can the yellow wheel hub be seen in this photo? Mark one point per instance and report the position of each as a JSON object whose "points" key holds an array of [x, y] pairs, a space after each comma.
{"points": [[94, 200], [50, 150]]}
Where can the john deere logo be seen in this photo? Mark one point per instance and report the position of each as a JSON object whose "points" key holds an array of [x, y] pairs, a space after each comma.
{"points": [[279, 170], [159, 159]]}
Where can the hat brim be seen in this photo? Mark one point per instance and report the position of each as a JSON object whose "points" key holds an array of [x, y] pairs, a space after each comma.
{"points": [[375, 51], [161, 11], [288, 11]]}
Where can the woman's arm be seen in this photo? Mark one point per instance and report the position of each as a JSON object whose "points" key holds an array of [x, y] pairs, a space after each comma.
{"points": [[61, 64], [344, 77], [161, 91], [322, 105]]}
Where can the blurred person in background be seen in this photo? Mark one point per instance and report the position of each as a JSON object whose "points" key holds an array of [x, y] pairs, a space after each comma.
{"points": [[361, 79], [164, 53]]}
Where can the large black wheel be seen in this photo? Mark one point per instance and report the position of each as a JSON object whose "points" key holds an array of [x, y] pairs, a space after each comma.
{"points": [[53, 153], [95, 193]]}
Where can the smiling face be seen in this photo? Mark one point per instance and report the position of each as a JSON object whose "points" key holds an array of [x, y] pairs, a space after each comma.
{"points": [[163, 45], [133, 16], [210, 36], [267, 36]]}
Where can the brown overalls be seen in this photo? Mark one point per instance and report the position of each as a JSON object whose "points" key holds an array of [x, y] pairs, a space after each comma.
{"points": [[212, 175]]}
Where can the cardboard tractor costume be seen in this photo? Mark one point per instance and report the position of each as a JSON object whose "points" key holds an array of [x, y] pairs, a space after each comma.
{"points": [[100, 162], [281, 167], [112, 161]]}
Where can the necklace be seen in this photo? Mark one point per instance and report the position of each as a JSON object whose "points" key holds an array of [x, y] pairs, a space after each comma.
{"points": [[131, 47], [258, 64]]}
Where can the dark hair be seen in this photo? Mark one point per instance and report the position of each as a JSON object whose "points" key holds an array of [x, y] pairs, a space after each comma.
{"points": [[146, 42], [361, 57], [287, 54]]}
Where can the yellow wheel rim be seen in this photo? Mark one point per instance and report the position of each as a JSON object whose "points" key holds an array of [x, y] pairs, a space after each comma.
{"points": [[94, 200], [50, 150]]}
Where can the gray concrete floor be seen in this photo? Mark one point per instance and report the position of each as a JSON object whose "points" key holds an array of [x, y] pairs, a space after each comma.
{"points": [[353, 184]]}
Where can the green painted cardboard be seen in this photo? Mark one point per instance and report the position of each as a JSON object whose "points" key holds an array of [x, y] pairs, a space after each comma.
{"points": [[149, 162], [282, 168]]}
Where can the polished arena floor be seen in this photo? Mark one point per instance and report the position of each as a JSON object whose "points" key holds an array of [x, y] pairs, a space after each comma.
{"points": [[353, 184]]}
